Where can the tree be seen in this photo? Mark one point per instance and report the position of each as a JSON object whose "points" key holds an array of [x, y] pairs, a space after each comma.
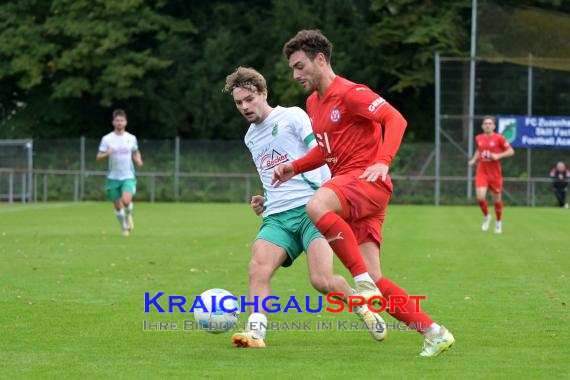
{"points": [[408, 34], [89, 54]]}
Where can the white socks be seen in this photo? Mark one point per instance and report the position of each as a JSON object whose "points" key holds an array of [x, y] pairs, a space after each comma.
{"points": [[257, 323], [121, 218], [123, 215], [433, 330], [363, 277], [129, 209]]}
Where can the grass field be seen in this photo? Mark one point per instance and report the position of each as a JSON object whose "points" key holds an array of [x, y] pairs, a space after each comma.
{"points": [[72, 295]]}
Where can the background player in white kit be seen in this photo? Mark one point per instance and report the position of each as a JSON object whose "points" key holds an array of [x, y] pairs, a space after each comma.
{"points": [[277, 135], [120, 148]]}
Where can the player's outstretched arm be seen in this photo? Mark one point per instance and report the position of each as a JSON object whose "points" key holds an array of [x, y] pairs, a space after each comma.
{"points": [[394, 126], [138, 158], [474, 159], [284, 172], [367, 104]]}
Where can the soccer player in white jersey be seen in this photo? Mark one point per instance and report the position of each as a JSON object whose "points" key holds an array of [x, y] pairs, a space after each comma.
{"points": [[121, 148], [278, 135]]}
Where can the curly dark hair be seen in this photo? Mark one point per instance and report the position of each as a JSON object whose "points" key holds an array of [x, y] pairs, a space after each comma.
{"points": [[311, 42], [245, 77]]}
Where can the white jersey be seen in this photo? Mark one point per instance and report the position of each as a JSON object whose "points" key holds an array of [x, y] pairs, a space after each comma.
{"points": [[284, 136], [121, 159]]}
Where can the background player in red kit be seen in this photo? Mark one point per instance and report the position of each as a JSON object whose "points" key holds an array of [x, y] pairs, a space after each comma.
{"points": [[348, 120], [491, 148]]}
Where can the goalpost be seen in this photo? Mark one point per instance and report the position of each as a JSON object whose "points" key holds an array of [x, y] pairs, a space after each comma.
{"points": [[16, 170]]}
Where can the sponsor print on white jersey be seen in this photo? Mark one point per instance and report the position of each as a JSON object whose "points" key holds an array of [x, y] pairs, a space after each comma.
{"points": [[121, 159], [284, 136]]}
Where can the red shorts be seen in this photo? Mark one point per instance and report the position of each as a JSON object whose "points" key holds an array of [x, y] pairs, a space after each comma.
{"points": [[494, 183], [363, 204], [489, 175]]}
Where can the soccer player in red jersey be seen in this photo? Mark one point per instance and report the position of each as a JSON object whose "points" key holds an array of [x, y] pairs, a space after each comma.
{"points": [[491, 148], [358, 135]]}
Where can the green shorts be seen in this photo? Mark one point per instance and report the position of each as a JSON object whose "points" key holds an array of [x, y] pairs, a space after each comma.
{"points": [[116, 187], [291, 230]]}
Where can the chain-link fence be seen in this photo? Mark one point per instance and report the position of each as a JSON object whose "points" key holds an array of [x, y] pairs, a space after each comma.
{"points": [[222, 171], [500, 89], [173, 170]]}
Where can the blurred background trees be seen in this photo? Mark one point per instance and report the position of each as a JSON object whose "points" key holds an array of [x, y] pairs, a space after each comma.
{"points": [[66, 64]]}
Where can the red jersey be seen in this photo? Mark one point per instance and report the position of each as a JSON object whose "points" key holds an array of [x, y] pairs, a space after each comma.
{"points": [[487, 144], [347, 123]]}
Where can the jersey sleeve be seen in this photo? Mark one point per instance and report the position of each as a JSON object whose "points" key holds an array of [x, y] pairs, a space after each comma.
{"points": [[303, 128], [503, 143], [366, 104], [310, 161], [135, 144], [103, 145]]}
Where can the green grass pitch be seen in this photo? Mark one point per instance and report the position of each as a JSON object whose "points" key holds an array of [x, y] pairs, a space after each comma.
{"points": [[72, 295]]}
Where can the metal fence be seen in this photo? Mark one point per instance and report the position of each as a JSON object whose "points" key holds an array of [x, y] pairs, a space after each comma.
{"points": [[222, 171], [464, 95], [174, 170]]}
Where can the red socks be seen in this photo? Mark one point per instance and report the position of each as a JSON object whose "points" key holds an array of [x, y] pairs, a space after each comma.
{"points": [[484, 207], [499, 210], [417, 320], [342, 240]]}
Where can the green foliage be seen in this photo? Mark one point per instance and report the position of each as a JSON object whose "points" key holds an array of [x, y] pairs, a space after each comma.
{"points": [[66, 64], [97, 52], [416, 31]]}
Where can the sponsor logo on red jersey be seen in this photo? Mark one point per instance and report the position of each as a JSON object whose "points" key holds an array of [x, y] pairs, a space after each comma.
{"points": [[376, 104]]}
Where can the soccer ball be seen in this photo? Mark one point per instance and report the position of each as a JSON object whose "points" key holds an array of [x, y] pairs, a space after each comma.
{"points": [[218, 321]]}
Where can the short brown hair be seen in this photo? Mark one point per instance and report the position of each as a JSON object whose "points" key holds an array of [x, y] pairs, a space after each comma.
{"points": [[245, 77], [311, 42], [490, 117], [119, 112]]}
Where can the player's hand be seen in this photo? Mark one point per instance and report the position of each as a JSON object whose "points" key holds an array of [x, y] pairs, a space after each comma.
{"points": [[471, 162], [109, 152], [257, 202], [282, 173], [139, 162], [372, 173], [494, 156]]}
